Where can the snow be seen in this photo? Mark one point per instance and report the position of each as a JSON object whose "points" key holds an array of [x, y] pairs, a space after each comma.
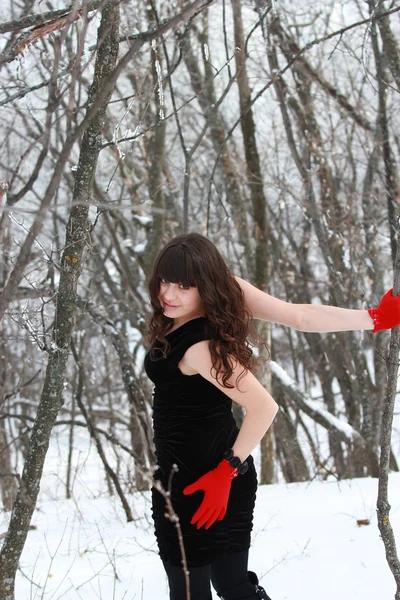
{"points": [[143, 220], [346, 429], [139, 248], [306, 542]]}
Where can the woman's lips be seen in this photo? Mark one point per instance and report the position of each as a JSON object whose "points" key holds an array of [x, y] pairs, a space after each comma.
{"points": [[169, 305]]}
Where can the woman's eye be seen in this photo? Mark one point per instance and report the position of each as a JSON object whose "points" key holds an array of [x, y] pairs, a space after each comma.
{"points": [[181, 285]]}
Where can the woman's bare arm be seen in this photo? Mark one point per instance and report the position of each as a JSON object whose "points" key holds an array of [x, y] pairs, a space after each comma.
{"points": [[303, 317], [260, 407]]}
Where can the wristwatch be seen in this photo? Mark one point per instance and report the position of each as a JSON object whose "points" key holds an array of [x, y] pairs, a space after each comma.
{"points": [[235, 461]]}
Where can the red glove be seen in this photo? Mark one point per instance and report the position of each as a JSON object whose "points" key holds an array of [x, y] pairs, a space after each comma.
{"points": [[216, 485], [387, 315]]}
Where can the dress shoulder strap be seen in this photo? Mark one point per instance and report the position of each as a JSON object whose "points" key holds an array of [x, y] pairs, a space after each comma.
{"points": [[185, 336]]}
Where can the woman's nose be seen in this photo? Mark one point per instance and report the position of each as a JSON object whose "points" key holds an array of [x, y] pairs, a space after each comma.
{"points": [[169, 292]]}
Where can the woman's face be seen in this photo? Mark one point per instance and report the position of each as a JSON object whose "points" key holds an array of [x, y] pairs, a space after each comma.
{"points": [[179, 302]]}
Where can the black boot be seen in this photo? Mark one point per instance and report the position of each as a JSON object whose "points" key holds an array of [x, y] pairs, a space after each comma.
{"points": [[261, 593], [250, 590]]}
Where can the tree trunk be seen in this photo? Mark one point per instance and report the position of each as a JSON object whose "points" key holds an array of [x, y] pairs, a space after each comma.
{"points": [[383, 506], [260, 226], [155, 147], [7, 479], [206, 95], [7, 482], [76, 236], [291, 458]]}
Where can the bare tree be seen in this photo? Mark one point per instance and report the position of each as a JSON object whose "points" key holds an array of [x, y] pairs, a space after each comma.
{"points": [[76, 239], [283, 153]]}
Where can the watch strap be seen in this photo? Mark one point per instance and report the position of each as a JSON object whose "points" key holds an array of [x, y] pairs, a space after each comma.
{"points": [[235, 462]]}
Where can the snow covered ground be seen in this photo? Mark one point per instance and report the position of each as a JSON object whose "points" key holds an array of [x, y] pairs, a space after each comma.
{"points": [[306, 546]]}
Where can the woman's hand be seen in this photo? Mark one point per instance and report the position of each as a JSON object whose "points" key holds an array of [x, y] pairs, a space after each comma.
{"points": [[217, 486], [387, 314]]}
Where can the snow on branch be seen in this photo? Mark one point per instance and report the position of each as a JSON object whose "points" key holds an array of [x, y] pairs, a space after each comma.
{"points": [[346, 432]]}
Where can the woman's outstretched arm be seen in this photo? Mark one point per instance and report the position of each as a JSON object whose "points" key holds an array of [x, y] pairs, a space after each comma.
{"points": [[303, 317]]}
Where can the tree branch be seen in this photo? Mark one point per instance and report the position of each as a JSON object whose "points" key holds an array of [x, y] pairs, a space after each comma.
{"points": [[39, 19], [93, 106], [345, 432]]}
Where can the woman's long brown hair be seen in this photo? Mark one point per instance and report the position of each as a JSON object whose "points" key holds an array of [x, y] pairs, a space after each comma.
{"points": [[192, 260]]}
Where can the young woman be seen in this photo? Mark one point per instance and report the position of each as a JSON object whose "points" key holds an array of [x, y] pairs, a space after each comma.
{"points": [[200, 360]]}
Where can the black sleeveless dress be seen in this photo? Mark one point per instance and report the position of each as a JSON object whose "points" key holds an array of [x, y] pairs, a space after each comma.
{"points": [[193, 426]]}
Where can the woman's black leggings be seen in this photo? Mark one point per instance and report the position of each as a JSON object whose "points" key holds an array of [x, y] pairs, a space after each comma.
{"points": [[228, 575]]}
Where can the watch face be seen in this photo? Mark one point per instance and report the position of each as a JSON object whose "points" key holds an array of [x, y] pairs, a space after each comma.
{"points": [[235, 462]]}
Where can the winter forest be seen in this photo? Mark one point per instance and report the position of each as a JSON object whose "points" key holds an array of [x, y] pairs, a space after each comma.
{"points": [[272, 127]]}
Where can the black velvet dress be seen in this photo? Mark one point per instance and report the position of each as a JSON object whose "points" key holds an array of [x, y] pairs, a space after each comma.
{"points": [[193, 426]]}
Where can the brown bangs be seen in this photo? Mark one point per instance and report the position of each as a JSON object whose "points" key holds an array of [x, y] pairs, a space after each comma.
{"points": [[176, 266]]}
